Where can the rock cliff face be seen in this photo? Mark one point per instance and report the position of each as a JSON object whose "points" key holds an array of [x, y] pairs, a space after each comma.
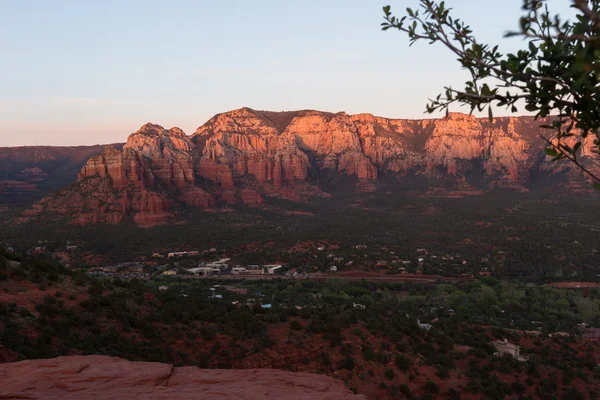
{"points": [[243, 156], [102, 377]]}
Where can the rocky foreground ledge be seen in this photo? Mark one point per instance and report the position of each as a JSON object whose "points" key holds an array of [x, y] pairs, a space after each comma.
{"points": [[102, 377]]}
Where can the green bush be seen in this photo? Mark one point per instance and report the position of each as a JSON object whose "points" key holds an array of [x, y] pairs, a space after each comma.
{"points": [[295, 325], [431, 387], [389, 373], [403, 363], [346, 363]]}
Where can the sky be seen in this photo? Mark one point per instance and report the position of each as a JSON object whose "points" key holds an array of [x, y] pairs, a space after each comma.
{"points": [[78, 72]]}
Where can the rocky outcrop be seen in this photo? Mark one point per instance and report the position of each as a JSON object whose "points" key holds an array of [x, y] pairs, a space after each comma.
{"points": [[151, 156], [499, 146], [245, 156], [250, 197], [139, 181], [102, 377], [242, 142]]}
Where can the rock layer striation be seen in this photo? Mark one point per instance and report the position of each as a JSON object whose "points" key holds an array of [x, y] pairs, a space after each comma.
{"points": [[244, 156]]}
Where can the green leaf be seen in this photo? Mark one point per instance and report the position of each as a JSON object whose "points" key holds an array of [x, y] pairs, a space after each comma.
{"points": [[531, 107], [551, 152], [597, 186], [511, 34]]}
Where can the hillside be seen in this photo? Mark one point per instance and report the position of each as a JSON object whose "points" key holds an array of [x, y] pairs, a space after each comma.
{"points": [[377, 348], [252, 157], [30, 173]]}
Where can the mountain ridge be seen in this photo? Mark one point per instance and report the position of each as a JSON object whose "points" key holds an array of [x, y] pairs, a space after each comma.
{"points": [[246, 156]]}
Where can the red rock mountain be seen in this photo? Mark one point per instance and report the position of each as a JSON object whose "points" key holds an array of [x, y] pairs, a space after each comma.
{"points": [[102, 377], [246, 156]]}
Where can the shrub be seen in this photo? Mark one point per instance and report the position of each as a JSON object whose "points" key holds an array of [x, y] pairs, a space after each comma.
{"points": [[442, 372], [208, 333], [403, 363], [405, 390], [431, 387], [389, 373], [295, 325], [23, 312], [347, 363]]}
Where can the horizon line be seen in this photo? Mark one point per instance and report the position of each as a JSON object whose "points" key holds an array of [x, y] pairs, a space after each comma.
{"points": [[277, 112]]}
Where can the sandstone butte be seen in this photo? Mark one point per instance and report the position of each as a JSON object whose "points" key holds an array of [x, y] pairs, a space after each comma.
{"points": [[241, 156], [109, 378]]}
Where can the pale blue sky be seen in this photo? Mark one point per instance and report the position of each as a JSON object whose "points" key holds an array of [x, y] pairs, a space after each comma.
{"points": [[85, 72]]}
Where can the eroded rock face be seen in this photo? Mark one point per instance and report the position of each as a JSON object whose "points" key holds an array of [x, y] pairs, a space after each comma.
{"points": [[461, 137], [155, 165], [241, 156], [102, 377]]}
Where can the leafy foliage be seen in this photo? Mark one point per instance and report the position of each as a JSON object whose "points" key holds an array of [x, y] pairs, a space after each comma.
{"points": [[557, 73]]}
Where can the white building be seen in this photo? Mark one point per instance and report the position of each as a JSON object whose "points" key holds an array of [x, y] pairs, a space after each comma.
{"points": [[204, 270], [503, 347], [182, 253], [426, 327], [271, 268]]}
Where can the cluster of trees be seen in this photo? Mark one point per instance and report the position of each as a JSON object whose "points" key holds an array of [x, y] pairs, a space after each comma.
{"points": [[182, 325], [531, 237]]}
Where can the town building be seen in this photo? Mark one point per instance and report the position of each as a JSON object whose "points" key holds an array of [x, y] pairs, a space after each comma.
{"points": [[591, 334], [504, 347], [149, 296], [182, 254], [255, 269], [215, 265], [426, 327], [237, 290], [204, 270], [39, 249], [271, 268]]}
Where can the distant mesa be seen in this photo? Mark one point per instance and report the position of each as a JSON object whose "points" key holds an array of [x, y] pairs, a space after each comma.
{"points": [[246, 157]]}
